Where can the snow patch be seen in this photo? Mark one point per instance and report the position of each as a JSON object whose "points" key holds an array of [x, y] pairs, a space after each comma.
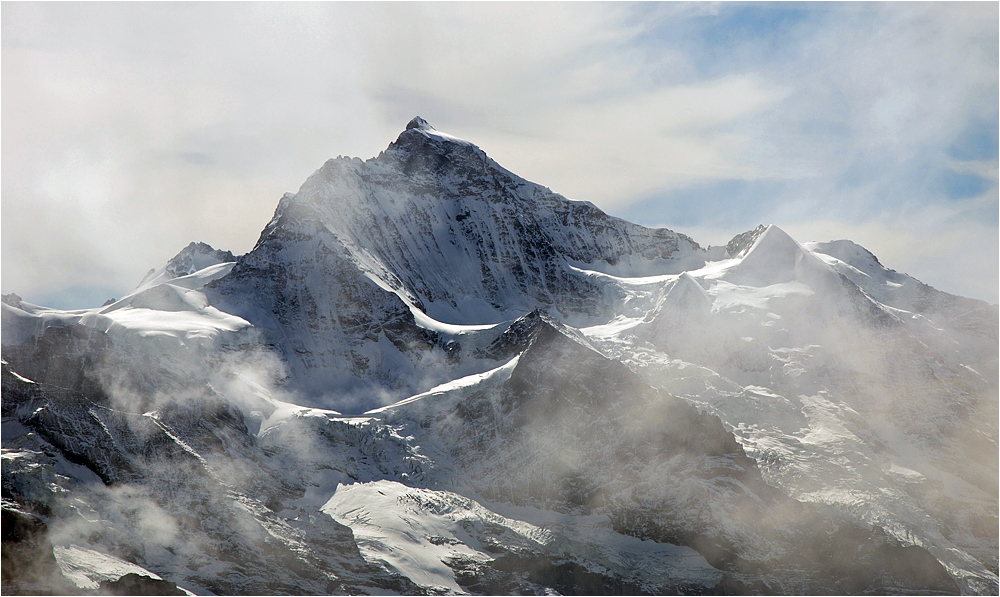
{"points": [[416, 531], [87, 568]]}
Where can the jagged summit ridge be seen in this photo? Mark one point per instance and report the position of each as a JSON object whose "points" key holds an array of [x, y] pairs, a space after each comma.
{"points": [[422, 150], [418, 123]]}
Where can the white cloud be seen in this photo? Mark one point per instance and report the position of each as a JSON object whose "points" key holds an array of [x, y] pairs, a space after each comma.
{"points": [[618, 150], [136, 128]]}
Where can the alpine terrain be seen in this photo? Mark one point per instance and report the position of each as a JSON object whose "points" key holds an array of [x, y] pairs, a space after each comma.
{"points": [[432, 376]]}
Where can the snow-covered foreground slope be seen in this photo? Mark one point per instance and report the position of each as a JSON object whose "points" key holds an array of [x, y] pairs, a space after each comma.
{"points": [[433, 376]]}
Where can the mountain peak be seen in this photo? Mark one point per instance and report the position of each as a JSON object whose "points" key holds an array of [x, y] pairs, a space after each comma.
{"points": [[196, 256], [421, 137], [686, 294], [773, 250], [419, 123]]}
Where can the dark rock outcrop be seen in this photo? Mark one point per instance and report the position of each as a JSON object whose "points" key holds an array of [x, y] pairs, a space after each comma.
{"points": [[28, 565]]}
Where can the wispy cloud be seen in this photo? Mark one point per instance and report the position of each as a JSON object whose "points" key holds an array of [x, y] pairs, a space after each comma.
{"points": [[888, 131], [133, 129]]}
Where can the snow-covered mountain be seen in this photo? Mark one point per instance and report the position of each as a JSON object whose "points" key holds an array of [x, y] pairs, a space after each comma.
{"points": [[369, 276], [430, 375]]}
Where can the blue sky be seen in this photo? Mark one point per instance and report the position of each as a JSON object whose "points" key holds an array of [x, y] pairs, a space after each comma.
{"points": [[133, 129]]}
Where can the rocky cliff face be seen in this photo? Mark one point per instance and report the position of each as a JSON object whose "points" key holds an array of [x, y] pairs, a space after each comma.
{"points": [[184, 489]]}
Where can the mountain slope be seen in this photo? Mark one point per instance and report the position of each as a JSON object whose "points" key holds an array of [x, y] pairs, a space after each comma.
{"points": [[430, 375], [842, 399]]}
